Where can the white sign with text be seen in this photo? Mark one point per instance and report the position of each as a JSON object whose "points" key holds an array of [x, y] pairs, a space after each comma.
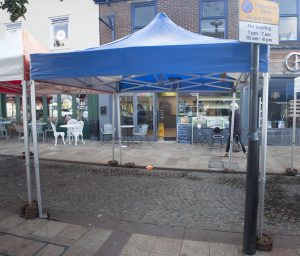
{"points": [[258, 33]]}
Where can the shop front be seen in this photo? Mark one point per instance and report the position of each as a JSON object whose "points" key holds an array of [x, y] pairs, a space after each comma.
{"points": [[284, 67], [166, 113]]}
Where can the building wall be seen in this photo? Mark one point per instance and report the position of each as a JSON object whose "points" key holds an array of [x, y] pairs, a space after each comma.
{"points": [[83, 19], [184, 13]]}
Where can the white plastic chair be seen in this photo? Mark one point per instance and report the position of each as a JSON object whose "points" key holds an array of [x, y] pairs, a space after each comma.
{"points": [[107, 130], [57, 134], [142, 132], [3, 130], [78, 131]]}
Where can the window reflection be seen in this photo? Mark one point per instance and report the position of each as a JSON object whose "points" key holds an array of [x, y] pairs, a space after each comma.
{"points": [[213, 22], [288, 28]]}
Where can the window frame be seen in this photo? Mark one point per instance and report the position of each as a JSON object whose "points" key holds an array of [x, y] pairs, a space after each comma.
{"points": [[225, 17], [134, 6], [52, 36], [291, 15]]}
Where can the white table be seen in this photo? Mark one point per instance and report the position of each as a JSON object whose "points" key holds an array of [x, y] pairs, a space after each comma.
{"points": [[68, 126], [5, 122], [125, 131]]}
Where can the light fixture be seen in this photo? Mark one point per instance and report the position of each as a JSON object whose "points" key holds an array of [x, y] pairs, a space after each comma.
{"points": [[216, 24]]}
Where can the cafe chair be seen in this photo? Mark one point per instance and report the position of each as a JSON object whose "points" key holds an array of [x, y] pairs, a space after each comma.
{"points": [[40, 132], [20, 130], [71, 129], [107, 130], [49, 129], [57, 134], [142, 132], [78, 131], [203, 134], [3, 131], [217, 136]]}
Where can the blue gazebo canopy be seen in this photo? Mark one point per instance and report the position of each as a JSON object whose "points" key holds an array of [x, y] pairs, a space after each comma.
{"points": [[160, 57]]}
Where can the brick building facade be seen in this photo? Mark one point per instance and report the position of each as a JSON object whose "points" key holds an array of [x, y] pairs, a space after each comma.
{"points": [[184, 13], [193, 15]]}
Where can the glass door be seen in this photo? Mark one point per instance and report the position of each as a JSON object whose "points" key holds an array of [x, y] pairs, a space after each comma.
{"points": [[145, 112], [127, 109]]}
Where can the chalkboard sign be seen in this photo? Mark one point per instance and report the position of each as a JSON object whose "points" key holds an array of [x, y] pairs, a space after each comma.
{"points": [[184, 133]]}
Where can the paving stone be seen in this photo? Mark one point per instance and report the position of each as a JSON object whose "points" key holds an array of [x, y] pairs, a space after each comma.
{"points": [[4, 215], [73, 232], [194, 248], [139, 244], [219, 249], [93, 239], [258, 253], [284, 252], [79, 251], [161, 198], [51, 250], [167, 246], [60, 240], [51, 229], [30, 226], [11, 222], [216, 164], [11, 245]]}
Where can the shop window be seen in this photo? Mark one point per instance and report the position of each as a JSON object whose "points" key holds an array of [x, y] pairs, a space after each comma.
{"points": [[288, 26], [213, 18], [13, 27], [59, 32], [281, 95], [142, 14]]}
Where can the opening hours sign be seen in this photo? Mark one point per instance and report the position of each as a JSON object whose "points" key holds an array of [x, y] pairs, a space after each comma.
{"points": [[258, 21]]}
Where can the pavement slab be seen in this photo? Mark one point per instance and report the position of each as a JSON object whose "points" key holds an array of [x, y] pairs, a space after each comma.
{"points": [[194, 248], [13, 245], [73, 232], [51, 229], [139, 243], [11, 222], [51, 250], [93, 239], [167, 246]]}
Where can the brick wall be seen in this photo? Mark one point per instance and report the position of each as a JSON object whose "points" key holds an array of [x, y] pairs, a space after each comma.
{"points": [[185, 13]]}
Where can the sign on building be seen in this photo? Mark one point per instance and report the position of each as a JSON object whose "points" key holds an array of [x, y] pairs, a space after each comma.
{"points": [[259, 21], [297, 84]]}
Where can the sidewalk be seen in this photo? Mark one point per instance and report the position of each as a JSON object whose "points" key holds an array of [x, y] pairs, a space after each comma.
{"points": [[43, 237], [162, 155]]}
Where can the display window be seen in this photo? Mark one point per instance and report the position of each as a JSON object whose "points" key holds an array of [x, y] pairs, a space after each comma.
{"points": [[280, 108]]}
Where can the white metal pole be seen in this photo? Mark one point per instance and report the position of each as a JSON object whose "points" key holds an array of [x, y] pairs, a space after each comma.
{"points": [[197, 104], [294, 130], [231, 128], [113, 126], [119, 126], [26, 141], [35, 149], [263, 154]]}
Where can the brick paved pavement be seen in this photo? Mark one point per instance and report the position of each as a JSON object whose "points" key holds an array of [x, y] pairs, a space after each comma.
{"points": [[191, 200], [162, 155]]}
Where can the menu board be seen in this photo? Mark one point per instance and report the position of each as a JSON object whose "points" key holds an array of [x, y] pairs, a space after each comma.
{"points": [[184, 133]]}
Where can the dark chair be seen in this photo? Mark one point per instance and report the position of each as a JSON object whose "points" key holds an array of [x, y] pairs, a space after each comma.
{"points": [[203, 135], [142, 132], [217, 136]]}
